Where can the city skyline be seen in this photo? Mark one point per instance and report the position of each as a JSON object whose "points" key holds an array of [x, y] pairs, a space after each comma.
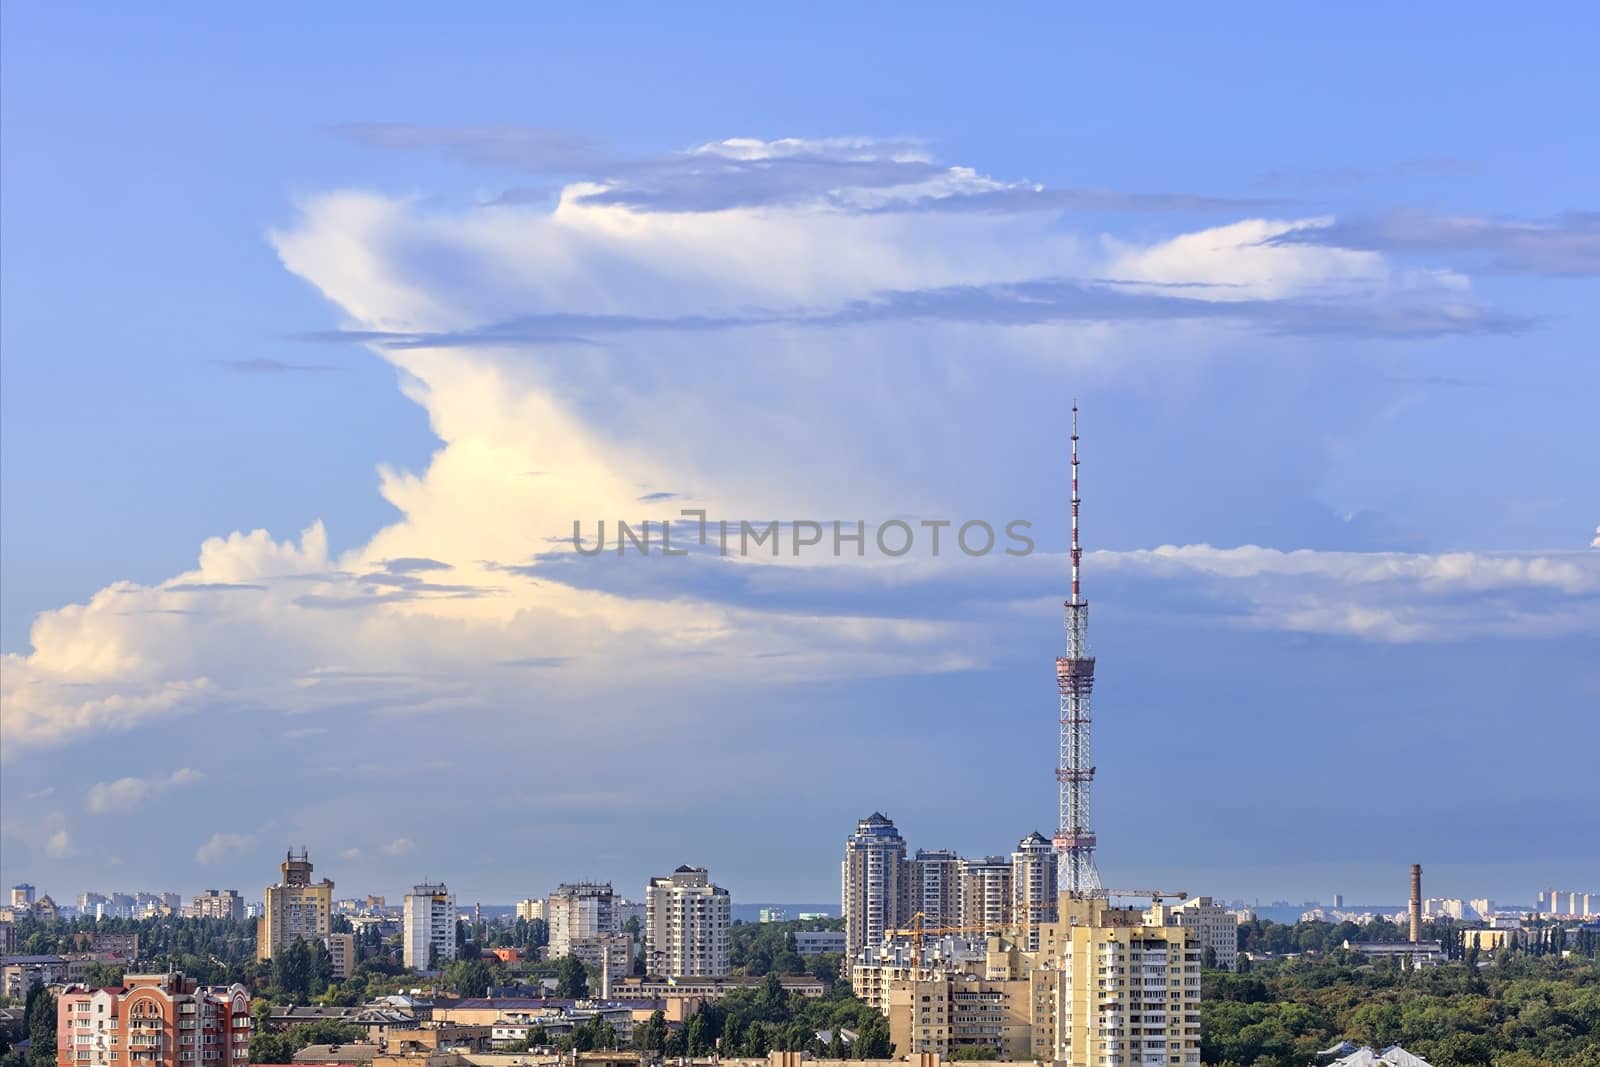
{"points": [[284, 513]]}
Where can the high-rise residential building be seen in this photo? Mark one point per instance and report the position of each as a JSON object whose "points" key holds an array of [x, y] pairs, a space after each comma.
{"points": [[1567, 902], [1444, 908], [1115, 991], [1105, 989], [1214, 926], [582, 917], [985, 895], [530, 909], [1483, 906], [217, 904], [153, 1020], [875, 884], [936, 886], [296, 908], [429, 927], [8, 937], [687, 926], [1033, 887], [22, 896]]}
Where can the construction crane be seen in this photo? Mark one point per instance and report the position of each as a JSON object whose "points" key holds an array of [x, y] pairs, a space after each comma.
{"points": [[919, 930], [1156, 895]]}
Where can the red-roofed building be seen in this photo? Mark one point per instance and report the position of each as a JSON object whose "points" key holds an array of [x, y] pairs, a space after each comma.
{"points": [[153, 1020]]}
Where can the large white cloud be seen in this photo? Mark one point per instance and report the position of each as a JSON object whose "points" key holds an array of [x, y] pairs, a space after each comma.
{"points": [[576, 359]]}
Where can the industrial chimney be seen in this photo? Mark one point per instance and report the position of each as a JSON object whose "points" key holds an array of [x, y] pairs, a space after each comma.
{"points": [[1416, 903]]}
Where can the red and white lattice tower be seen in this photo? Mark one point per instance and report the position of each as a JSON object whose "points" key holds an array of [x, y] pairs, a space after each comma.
{"points": [[1074, 840]]}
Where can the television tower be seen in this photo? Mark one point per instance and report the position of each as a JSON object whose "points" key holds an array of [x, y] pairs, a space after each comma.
{"points": [[1076, 875]]}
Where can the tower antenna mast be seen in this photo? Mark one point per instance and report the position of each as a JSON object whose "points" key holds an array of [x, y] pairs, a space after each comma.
{"points": [[1074, 840]]}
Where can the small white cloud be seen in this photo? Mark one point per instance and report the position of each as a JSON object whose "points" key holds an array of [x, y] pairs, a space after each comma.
{"points": [[120, 795], [1596, 542], [126, 794], [219, 847], [40, 794], [59, 846], [400, 846], [351, 854]]}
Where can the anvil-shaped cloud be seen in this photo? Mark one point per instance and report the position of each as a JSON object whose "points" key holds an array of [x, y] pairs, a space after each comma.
{"points": [[803, 329]]}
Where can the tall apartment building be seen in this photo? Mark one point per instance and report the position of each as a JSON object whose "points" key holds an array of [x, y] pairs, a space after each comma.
{"points": [[1215, 927], [583, 922], [296, 908], [429, 927], [985, 894], [8, 937], [875, 884], [1565, 902], [530, 909], [936, 886], [153, 1020], [217, 904], [1116, 991], [687, 926], [1033, 887], [22, 897], [1105, 989]]}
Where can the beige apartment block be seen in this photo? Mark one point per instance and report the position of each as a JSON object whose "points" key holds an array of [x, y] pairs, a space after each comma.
{"points": [[296, 908]]}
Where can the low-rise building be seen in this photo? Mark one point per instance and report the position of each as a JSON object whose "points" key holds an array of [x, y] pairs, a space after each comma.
{"points": [[817, 942], [1413, 953], [17, 973], [342, 953]]}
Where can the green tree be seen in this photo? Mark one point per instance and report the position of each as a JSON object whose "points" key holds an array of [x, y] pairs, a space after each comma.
{"points": [[974, 1052], [697, 1035], [572, 980], [470, 978], [268, 1047], [651, 1035], [41, 1016], [873, 1041]]}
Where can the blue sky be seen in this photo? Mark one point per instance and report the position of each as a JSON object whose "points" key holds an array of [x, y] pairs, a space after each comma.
{"points": [[1323, 282]]}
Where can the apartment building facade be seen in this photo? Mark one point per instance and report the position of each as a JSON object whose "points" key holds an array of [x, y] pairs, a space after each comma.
{"points": [[1033, 887], [428, 928], [295, 908], [936, 886], [1214, 926], [688, 925], [154, 1020], [985, 895], [875, 884], [217, 904]]}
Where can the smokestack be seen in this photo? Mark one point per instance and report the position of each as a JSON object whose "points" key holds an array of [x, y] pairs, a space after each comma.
{"points": [[1416, 903]]}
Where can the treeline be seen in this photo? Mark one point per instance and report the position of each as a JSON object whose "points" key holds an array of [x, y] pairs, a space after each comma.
{"points": [[769, 948], [1517, 1011], [768, 1018], [1263, 936]]}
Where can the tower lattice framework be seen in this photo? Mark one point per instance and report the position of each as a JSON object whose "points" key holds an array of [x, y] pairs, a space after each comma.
{"points": [[1074, 840]]}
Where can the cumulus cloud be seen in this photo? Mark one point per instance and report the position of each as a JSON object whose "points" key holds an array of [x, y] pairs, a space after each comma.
{"points": [[400, 846], [219, 847], [126, 794], [59, 845], [755, 318]]}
